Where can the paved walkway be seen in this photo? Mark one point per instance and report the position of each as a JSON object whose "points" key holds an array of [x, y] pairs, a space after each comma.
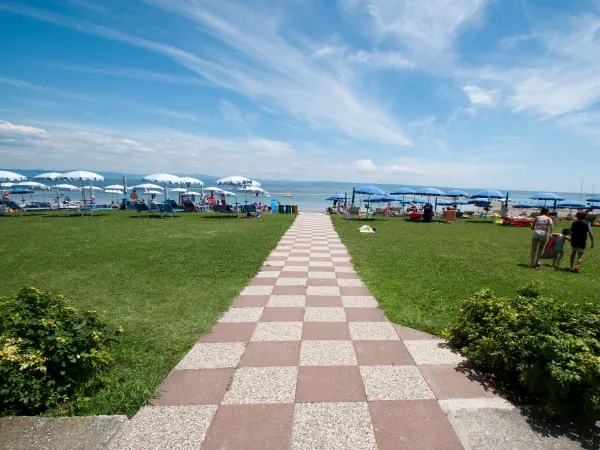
{"points": [[304, 359]]}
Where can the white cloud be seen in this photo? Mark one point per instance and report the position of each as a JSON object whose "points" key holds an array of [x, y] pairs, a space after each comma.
{"points": [[364, 165], [272, 72], [234, 114], [7, 128], [427, 29], [150, 109], [36, 87], [481, 97], [381, 59]]}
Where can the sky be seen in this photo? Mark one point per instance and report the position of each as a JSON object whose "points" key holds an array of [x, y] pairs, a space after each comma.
{"points": [[466, 93]]}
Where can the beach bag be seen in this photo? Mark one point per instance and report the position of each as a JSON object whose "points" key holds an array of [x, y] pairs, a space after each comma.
{"points": [[549, 250]]}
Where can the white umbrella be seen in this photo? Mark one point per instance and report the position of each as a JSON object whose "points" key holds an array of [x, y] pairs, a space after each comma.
{"points": [[115, 187], [145, 186], [178, 190], [213, 188], [234, 181], [164, 178], [82, 175], [10, 176], [67, 187], [255, 183], [6, 185], [154, 192], [32, 185], [49, 176], [193, 193], [112, 191], [190, 180]]}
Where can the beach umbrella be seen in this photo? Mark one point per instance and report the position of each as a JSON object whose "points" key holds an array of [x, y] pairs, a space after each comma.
{"points": [[547, 196], [488, 193], [369, 191], [32, 185], [419, 201], [145, 186], [154, 192], [178, 190], [22, 191], [189, 181], [213, 189], [523, 205], [112, 191], [51, 176], [67, 187], [456, 193], [402, 191], [442, 202], [572, 204], [235, 182], [459, 202], [430, 192], [115, 187], [82, 175], [595, 198], [5, 175], [165, 179], [336, 197]]}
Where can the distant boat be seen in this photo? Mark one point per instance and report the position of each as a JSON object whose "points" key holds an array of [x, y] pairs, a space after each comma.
{"points": [[286, 194]]}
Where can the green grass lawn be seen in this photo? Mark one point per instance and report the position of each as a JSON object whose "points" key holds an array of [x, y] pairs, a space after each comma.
{"points": [[420, 272], [166, 281]]}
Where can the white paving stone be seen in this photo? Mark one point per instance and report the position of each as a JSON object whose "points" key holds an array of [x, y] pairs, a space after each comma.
{"points": [[287, 301], [268, 274], [350, 282], [324, 314], [320, 264], [262, 385], [327, 353], [394, 383], [291, 282], [238, 315], [278, 331], [257, 290], [322, 290], [333, 426], [213, 356], [433, 352], [321, 275], [359, 301], [372, 331], [344, 269]]}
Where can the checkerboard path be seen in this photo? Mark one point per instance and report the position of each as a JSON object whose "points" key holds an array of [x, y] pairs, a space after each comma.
{"points": [[305, 359]]}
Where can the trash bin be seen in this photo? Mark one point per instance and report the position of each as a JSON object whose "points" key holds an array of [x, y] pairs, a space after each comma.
{"points": [[281, 209], [288, 209], [294, 209], [274, 208]]}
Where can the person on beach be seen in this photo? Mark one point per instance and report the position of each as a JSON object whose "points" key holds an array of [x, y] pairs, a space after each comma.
{"points": [[579, 231], [559, 247], [133, 196], [540, 228], [6, 197]]}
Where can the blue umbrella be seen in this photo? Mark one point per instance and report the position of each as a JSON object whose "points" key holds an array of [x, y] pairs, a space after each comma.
{"points": [[402, 191], [546, 196], [480, 202], [488, 193], [523, 205], [21, 191], [443, 202], [369, 190], [430, 191], [572, 204], [421, 201], [459, 202], [336, 196], [456, 193], [595, 198], [382, 199]]}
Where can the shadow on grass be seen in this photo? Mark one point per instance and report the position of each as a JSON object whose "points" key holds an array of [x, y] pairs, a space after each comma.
{"points": [[586, 433]]}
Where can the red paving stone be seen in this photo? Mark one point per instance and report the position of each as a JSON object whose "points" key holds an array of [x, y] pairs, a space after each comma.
{"points": [[271, 354], [282, 314], [329, 384], [449, 381], [382, 353], [194, 387]]}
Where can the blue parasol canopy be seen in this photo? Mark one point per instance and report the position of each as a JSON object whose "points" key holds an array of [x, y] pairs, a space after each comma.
{"points": [[572, 204], [480, 202], [336, 196], [488, 193], [421, 201], [369, 190], [459, 202], [595, 198], [456, 193], [402, 191], [442, 202], [21, 191], [547, 196], [522, 205], [430, 191]]}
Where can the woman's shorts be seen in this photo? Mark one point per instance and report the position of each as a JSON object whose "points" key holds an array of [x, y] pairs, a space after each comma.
{"points": [[539, 235]]}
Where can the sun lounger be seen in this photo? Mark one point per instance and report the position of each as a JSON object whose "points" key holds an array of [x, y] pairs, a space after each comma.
{"points": [[10, 207], [226, 210], [92, 209], [141, 208], [174, 206], [167, 209]]}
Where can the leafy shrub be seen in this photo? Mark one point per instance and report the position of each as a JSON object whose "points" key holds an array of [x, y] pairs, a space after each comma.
{"points": [[550, 348], [48, 351]]}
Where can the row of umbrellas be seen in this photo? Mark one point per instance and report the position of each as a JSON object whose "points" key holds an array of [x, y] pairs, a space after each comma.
{"points": [[238, 183], [481, 198]]}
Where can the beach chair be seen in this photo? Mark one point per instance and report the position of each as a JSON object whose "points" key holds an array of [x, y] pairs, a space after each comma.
{"points": [[10, 207], [174, 206], [92, 209], [354, 210], [226, 210], [167, 209], [141, 208]]}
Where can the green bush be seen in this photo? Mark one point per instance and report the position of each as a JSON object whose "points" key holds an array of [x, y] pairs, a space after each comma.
{"points": [[550, 348], [48, 351]]}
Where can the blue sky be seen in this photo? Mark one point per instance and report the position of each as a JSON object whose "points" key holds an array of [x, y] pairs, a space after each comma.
{"points": [[470, 93]]}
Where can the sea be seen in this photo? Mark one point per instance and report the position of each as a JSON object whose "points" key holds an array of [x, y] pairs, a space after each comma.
{"points": [[307, 195]]}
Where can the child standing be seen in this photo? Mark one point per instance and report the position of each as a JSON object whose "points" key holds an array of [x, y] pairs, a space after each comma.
{"points": [[579, 232], [559, 247]]}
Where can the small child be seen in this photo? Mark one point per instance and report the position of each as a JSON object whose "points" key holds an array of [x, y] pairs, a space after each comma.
{"points": [[559, 247]]}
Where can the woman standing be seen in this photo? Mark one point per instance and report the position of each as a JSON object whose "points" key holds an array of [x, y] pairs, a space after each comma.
{"points": [[540, 228]]}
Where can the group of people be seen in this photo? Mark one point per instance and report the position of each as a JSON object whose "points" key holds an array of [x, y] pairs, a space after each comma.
{"points": [[577, 235]]}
